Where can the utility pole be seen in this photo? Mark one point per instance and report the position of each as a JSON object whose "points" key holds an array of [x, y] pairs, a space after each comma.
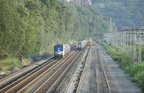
{"points": [[134, 42], [130, 36], [111, 27], [128, 40], [139, 55]]}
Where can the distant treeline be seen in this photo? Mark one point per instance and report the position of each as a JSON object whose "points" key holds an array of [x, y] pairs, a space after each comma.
{"points": [[125, 13], [28, 26]]}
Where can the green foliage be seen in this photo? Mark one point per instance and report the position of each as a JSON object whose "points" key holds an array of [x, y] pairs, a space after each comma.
{"points": [[125, 13], [137, 72], [6, 64], [135, 69], [142, 52], [117, 54], [28, 26]]}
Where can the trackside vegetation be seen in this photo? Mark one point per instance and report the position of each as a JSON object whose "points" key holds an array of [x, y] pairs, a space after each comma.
{"points": [[31, 26], [135, 69]]}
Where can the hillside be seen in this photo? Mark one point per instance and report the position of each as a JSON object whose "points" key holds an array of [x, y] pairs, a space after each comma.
{"points": [[125, 13], [28, 26]]}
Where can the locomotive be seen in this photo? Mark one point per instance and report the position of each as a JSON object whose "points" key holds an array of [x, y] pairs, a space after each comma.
{"points": [[81, 44], [60, 50]]}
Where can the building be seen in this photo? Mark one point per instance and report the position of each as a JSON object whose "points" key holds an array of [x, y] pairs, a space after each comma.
{"points": [[81, 2]]}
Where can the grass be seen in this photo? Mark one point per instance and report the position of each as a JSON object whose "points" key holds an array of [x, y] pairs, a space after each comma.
{"points": [[135, 69], [7, 63]]}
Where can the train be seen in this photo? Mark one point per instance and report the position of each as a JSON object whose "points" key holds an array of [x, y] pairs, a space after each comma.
{"points": [[60, 50], [81, 44]]}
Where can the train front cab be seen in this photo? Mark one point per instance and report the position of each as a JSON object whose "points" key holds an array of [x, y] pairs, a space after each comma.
{"points": [[79, 46], [57, 56], [58, 51]]}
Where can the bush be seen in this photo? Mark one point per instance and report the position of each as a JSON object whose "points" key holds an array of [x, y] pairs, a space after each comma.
{"points": [[6, 64], [135, 69]]}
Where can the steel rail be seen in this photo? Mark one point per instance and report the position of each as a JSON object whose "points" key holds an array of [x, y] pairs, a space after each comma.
{"points": [[15, 83], [24, 69], [52, 88], [9, 79], [97, 74], [68, 77], [101, 65], [40, 76], [109, 90], [82, 75], [36, 79], [73, 81], [28, 78], [50, 79]]}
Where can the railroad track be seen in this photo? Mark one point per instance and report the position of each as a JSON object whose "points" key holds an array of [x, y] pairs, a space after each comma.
{"points": [[65, 83], [43, 79], [25, 78], [53, 82], [76, 81], [22, 78], [15, 76], [99, 83], [38, 63], [101, 78]]}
